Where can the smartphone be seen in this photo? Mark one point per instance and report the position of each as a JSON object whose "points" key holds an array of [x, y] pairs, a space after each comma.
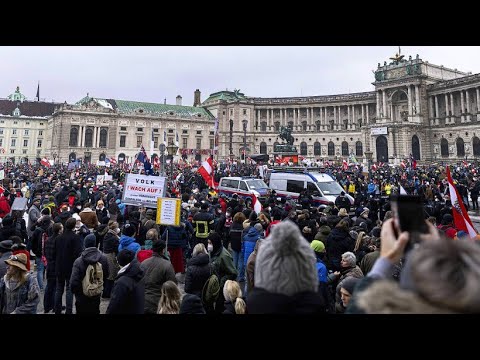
{"points": [[409, 216]]}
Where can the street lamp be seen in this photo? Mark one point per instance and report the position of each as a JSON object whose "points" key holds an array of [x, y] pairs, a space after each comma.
{"points": [[368, 155], [245, 122], [172, 150], [162, 157], [231, 139]]}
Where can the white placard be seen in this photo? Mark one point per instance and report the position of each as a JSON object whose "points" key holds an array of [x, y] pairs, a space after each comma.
{"points": [[380, 131], [168, 211], [100, 179], [143, 190], [2, 174], [108, 177]]}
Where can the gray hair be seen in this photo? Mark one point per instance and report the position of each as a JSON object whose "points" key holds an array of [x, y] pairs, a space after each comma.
{"points": [[350, 258], [199, 249]]}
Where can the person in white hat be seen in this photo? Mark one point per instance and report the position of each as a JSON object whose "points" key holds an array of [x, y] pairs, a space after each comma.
{"points": [[19, 292]]}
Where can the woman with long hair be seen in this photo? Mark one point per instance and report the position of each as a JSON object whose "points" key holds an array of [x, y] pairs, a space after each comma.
{"points": [[234, 303], [170, 299]]}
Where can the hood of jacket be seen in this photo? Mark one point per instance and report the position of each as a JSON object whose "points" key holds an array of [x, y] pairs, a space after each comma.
{"points": [[126, 240], [91, 255], [199, 260], [252, 235], [133, 271]]}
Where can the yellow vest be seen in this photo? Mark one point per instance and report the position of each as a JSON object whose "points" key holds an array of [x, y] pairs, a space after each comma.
{"points": [[388, 189], [351, 188]]}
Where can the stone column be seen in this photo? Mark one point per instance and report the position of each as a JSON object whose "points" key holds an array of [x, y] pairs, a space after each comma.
{"points": [[95, 137], [334, 116], [467, 97], [478, 99], [352, 122], [281, 116], [417, 99], [366, 110], [452, 119], [378, 104], [446, 108], [462, 107], [436, 108], [82, 143], [294, 117], [268, 117], [79, 139], [409, 97], [384, 104]]}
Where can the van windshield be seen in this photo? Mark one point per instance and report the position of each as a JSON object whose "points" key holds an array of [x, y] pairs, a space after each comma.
{"points": [[256, 184], [330, 188]]}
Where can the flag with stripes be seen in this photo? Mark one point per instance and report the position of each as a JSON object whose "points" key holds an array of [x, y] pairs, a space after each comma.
{"points": [[257, 206]]}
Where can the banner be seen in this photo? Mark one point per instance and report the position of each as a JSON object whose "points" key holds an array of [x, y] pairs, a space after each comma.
{"points": [[168, 211], [143, 190], [380, 131]]}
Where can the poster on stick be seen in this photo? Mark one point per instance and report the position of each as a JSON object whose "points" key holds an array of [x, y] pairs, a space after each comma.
{"points": [[168, 211], [143, 190]]}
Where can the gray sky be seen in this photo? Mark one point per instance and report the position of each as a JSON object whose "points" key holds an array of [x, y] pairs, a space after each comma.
{"points": [[151, 74]]}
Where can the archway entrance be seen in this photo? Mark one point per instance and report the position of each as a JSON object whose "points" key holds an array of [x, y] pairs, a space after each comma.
{"points": [[415, 147], [72, 157], [382, 149]]}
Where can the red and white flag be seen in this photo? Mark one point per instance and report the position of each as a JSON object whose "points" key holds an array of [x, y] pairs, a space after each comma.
{"points": [[2, 190], [257, 206], [345, 164], [206, 170], [45, 162], [460, 215], [403, 165]]}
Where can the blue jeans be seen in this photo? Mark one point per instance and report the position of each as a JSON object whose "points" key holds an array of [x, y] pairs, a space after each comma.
{"points": [[61, 282], [40, 271], [238, 263]]}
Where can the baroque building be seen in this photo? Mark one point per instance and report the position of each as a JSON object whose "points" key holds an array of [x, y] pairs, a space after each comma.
{"points": [[94, 129], [23, 128], [417, 108]]}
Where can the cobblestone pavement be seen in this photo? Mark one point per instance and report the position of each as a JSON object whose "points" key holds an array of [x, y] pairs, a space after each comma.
{"points": [[104, 302]]}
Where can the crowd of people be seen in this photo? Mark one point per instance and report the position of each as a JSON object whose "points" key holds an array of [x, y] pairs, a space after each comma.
{"points": [[290, 257]]}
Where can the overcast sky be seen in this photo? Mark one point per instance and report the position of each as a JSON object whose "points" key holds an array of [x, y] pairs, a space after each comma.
{"points": [[151, 74]]}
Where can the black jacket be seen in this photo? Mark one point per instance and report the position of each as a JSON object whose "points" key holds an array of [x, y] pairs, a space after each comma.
{"points": [[128, 294], [236, 235], [68, 248], [198, 271], [261, 301], [50, 255], [110, 243]]}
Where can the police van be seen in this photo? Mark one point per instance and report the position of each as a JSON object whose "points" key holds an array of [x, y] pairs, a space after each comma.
{"points": [[245, 187], [290, 182]]}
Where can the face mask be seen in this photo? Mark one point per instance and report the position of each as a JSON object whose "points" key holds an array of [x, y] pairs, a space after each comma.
{"points": [[210, 247], [79, 207], [118, 231], [228, 214]]}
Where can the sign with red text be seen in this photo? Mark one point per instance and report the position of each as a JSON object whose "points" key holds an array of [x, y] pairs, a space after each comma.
{"points": [[143, 190]]}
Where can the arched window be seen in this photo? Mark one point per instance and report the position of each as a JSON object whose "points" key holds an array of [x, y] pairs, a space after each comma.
{"points": [[460, 147], [103, 138], [121, 157], [415, 147], [476, 146], [101, 157], [359, 123], [331, 149], [358, 148], [345, 149], [72, 157], [290, 124], [444, 147], [263, 148], [74, 136], [263, 126], [304, 125], [316, 148], [318, 125], [303, 148], [89, 137]]}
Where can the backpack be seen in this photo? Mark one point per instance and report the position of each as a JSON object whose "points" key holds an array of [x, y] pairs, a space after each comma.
{"points": [[211, 290], [92, 283]]}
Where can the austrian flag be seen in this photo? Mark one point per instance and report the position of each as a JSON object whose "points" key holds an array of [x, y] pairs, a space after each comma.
{"points": [[206, 170]]}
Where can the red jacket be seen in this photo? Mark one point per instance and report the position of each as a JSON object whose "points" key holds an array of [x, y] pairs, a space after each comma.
{"points": [[4, 207]]}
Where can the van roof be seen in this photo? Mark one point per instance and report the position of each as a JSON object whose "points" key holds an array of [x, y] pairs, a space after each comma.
{"points": [[314, 175]]}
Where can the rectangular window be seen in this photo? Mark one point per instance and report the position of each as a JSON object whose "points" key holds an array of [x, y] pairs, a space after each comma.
{"points": [[15, 122], [170, 141], [39, 143], [223, 112], [139, 141], [2, 122], [139, 129], [123, 139], [1, 131], [212, 144], [25, 133], [14, 132], [41, 124], [170, 131], [14, 142], [155, 130], [123, 128], [295, 186], [155, 142], [212, 133], [27, 122], [244, 111], [199, 132], [199, 143], [12, 151], [1, 142], [24, 151], [25, 143], [184, 131], [231, 112], [184, 140], [40, 133]]}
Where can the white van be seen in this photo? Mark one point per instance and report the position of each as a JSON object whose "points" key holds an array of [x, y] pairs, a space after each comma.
{"points": [[245, 187], [323, 188]]}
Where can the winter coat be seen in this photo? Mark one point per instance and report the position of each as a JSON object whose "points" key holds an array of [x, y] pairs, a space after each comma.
{"points": [[111, 242], [177, 236], [49, 252], [4, 207], [89, 218], [249, 242], [236, 234], [68, 248], [198, 272], [3, 265], [222, 262], [261, 301], [368, 260], [33, 216], [21, 299], [157, 270], [338, 242], [128, 293], [127, 242], [89, 256]]}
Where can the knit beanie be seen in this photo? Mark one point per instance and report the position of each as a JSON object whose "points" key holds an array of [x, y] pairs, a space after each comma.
{"points": [[90, 241], [285, 262]]}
